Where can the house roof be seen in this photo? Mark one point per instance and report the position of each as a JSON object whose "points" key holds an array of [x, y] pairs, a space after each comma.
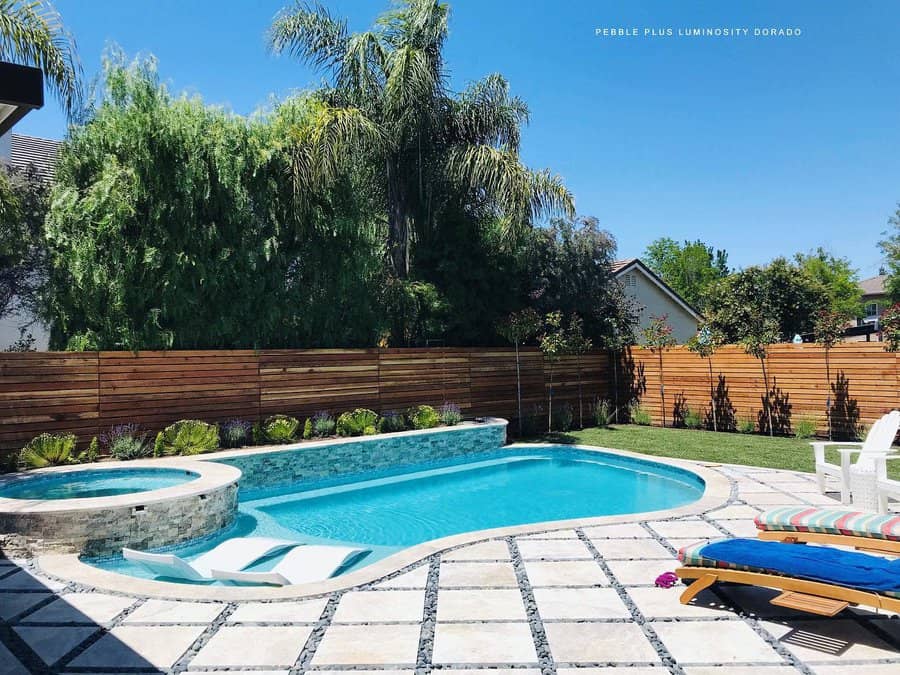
{"points": [[39, 152], [619, 267], [873, 285]]}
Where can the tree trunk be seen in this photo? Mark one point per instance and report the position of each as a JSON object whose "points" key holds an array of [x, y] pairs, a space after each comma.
{"points": [[828, 400], [662, 388], [768, 402], [712, 396], [550, 402], [398, 223], [580, 407], [519, 389], [615, 360]]}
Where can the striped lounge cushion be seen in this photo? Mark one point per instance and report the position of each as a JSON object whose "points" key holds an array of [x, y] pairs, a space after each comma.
{"points": [[690, 556], [830, 521]]}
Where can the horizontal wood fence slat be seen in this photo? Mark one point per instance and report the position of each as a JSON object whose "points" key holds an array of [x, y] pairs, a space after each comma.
{"points": [[86, 393]]}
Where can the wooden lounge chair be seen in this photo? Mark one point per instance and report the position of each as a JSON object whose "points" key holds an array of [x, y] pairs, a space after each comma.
{"points": [[827, 581], [863, 531]]}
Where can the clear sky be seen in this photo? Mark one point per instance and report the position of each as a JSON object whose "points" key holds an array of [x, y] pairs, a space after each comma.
{"points": [[762, 146]]}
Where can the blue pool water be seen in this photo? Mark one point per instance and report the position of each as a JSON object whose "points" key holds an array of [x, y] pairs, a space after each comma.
{"points": [[94, 483], [386, 512]]}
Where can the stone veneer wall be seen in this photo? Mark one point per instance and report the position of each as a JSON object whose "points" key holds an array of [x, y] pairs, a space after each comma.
{"points": [[284, 466], [101, 532]]}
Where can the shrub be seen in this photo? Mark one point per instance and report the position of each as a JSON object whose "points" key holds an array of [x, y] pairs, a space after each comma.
{"points": [[159, 446], [692, 419], [126, 441], [746, 425], [640, 415], [188, 437], [563, 416], [392, 421], [805, 427], [9, 462], [423, 417], [322, 424], [535, 421], [603, 412], [370, 430], [356, 422], [235, 433], [91, 454], [280, 429], [48, 450], [450, 414], [307, 429]]}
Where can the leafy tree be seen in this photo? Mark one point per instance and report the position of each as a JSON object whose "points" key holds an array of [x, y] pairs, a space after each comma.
{"points": [[658, 336], [176, 225], [32, 33], [431, 144], [890, 248], [778, 292], [829, 331], [704, 344], [554, 345], [757, 336], [836, 278], [578, 345], [518, 328], [890, 328], [689, 268]]}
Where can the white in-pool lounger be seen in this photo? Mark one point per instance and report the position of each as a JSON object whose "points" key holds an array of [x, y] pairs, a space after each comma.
{"points": [[302, 565], [232, 554]]}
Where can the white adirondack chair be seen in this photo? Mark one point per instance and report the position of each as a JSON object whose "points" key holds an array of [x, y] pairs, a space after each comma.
{"points": [[887, 488], [877, 444]]}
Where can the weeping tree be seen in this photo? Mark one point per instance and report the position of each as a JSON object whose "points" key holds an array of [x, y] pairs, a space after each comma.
{"points": [[432, 145], [828, 330], [32, 33], [704, 344], [658, 337], [518, 328]]}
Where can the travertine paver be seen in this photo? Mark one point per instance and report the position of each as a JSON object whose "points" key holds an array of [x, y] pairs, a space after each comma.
{"points": [[503, 604], [82, 608], [715, 642], [139, 647], [551, 604], [368, 645], [167, 611], [253, 646], [483, 643], [278, 612], [599, 642], [365, 606]]}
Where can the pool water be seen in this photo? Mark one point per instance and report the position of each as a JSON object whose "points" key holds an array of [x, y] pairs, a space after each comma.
{"points": [[414, 504], [94, 483]]}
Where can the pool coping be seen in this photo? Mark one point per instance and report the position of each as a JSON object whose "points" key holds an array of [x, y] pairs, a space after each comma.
{"points": [[70, 568], [210, 477]]}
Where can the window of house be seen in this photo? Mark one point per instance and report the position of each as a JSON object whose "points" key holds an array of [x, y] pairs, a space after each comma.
{"points": [[630, 280], [871, 309]]}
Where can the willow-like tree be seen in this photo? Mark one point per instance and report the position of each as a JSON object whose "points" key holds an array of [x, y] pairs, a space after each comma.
{"points": [[433, 146], [518, 328], [658, 337], [704, 344], [759, 334], [829, 331], [32, 33], [553, 342]]}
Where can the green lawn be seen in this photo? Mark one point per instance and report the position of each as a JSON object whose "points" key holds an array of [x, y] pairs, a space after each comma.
{"points": [[705, 446]]}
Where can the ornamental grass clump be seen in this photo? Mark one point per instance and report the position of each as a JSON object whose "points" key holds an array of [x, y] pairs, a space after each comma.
{"points": [[805, 427], [187, 437], [358, 422], [640, 415], [450, 414], [320, 425], [392, 421], [235, 433], [423, 417], [563, 416], [603, 413], [48, 450], [126, 441]]}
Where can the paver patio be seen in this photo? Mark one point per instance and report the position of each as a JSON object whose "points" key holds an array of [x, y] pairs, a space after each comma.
{"points": [[574, 601]]}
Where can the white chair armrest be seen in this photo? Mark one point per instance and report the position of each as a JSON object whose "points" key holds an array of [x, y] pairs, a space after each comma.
{"points": [[841, 443]]}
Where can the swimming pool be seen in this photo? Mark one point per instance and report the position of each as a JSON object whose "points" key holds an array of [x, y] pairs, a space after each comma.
{"points": [[390, 510], [94, 483]]}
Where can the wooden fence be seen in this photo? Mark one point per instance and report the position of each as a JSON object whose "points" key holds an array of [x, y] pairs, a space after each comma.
{"points": [[86, 393], [863, 385]]}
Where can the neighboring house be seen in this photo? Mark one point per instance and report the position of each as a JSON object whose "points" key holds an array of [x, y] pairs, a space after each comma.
{"points": [[654, 297], [17, 153], [874, 299]]}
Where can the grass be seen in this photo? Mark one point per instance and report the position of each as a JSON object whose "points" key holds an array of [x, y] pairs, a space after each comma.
{"points": [[705, 446]]}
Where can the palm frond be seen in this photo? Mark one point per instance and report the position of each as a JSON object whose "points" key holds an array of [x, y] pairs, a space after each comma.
{"points": [[486, 114], [32, 33], [362, 66], [410, 81], [309, 33]]}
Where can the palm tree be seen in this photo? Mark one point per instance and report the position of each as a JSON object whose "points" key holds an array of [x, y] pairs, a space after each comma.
{"points": [[32, 33], [435, 146]]}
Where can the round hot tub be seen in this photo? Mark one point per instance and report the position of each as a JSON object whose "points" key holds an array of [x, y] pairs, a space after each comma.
{"points": [[99, 509]]}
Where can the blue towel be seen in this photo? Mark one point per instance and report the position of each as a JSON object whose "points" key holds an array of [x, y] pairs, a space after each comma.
{"points": [[815, 563]]}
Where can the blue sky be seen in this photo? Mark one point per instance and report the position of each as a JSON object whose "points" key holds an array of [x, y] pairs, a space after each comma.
{"points": [[761, 146]]}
